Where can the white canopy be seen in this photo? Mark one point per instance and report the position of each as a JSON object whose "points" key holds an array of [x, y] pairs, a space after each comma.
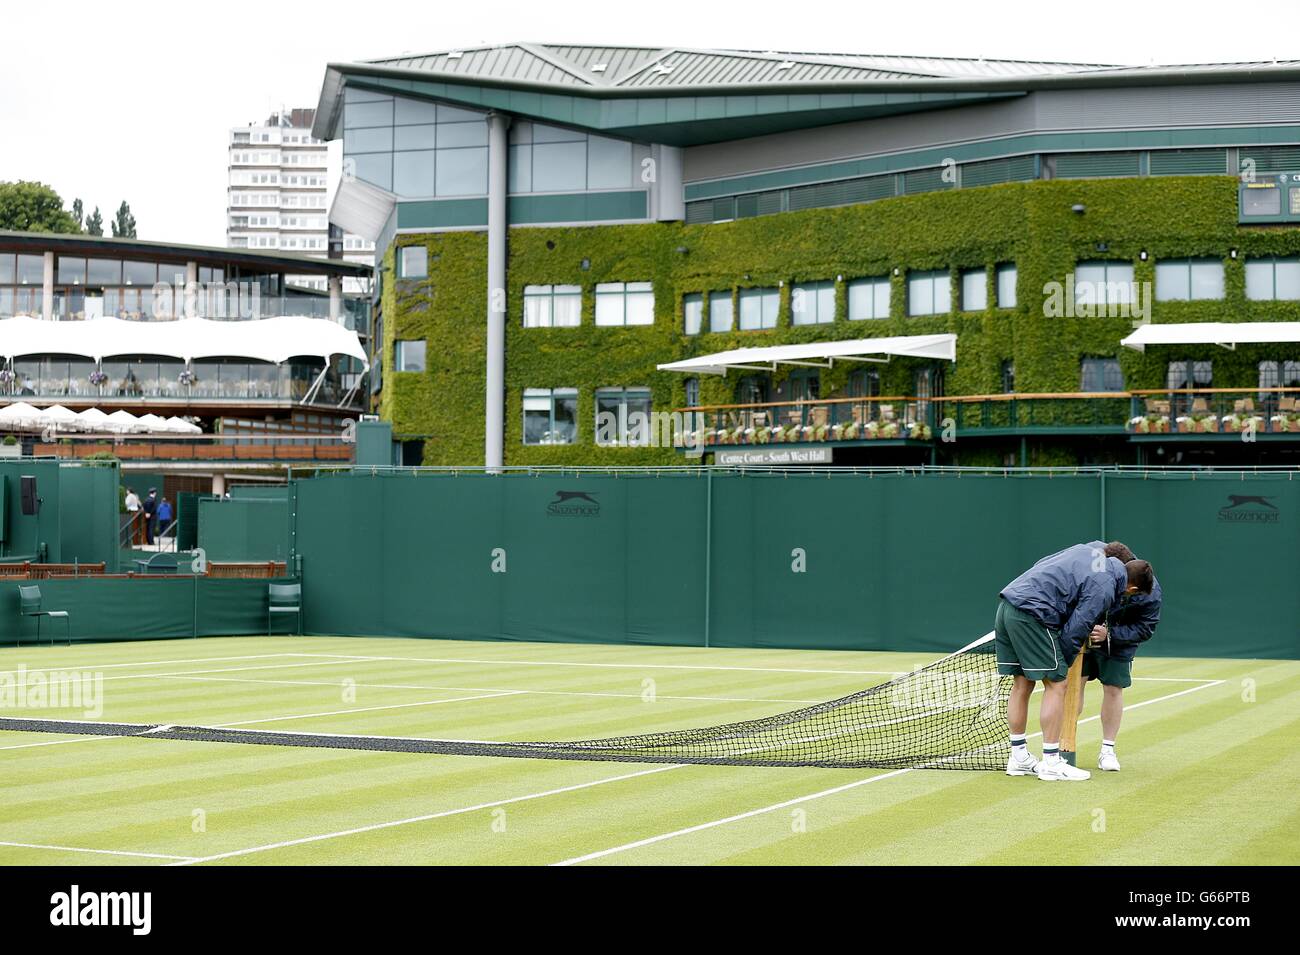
{"points": [[819, 354], [92, 418], [1227, 334], [268, 339], [181, 426], [19, 414], [122, 421]]}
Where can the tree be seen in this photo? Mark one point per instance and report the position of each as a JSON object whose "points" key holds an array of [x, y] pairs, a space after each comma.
{"points": [[95, 223], [78, 211], [33, 207], [123, 223]]}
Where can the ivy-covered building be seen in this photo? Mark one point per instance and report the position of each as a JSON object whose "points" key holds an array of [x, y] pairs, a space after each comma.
{"points": [[557, 223]]}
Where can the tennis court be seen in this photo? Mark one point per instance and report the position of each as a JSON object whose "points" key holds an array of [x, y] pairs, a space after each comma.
{"points": [[1205, 741]]}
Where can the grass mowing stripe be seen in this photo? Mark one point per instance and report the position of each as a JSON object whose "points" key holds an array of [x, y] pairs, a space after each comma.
{"points": [[105, 852], [835, 790], [427, 817]]}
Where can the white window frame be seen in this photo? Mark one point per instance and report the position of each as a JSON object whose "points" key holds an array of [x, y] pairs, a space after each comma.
{"points": [[870, 288], [799, 299], [542, 299], [625, 303], [548, 397]]}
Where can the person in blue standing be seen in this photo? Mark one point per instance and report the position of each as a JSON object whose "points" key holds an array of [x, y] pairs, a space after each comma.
{"points": [[1043, 618], [165, 515]]}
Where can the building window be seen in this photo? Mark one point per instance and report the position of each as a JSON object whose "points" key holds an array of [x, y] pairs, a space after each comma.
{"points": [[1008, 376], [552, 306], [752, 390], [812, 303], [623, 417], [625, 303], [1006, 277], [1279, 374], [974, 290], [692, 313], [928, 293], [1272, 279], [553, 159], [409, 355], [758, 308], [413, 262], [1100, 374], [1189, 374], [864, 384], [868, 299], [1101, 284], [720, 317], [692, 386], [1188, 280], [550, 415]]}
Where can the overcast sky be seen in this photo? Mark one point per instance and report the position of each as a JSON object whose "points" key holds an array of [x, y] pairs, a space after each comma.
{"points": [[132, 100]]}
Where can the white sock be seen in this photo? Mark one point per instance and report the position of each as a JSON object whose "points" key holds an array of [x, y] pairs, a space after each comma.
{"points": [[1051, 754], [1108, 747], [1019, 749]]}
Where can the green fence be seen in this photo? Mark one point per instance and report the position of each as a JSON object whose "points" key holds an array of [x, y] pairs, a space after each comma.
{"points": [[252, 528], [89, 516], [799, 559], [140, 608]]}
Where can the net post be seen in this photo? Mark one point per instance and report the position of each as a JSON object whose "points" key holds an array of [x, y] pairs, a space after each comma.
{"points": [[1070, 717]]}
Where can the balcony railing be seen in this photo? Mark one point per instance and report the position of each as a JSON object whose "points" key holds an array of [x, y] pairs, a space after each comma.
{"points": [[1145, 412]]}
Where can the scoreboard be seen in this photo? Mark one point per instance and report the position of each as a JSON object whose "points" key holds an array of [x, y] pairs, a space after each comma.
{"points": [[1269, 197]]}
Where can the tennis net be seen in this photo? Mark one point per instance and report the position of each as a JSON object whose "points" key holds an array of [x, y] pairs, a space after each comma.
{"points": [[948, 715]]}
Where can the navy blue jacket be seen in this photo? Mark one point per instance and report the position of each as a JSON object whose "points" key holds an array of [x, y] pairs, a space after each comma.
{"points": [[1069, 592], [1132, 622]]}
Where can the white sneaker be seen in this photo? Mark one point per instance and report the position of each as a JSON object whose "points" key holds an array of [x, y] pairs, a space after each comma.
{"points": [[1022, 767], [1108, 762], [1061, 771]]}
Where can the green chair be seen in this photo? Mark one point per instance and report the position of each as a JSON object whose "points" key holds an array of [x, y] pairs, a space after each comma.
{"points": [[160, 563], [29, 605], [284, 598]]}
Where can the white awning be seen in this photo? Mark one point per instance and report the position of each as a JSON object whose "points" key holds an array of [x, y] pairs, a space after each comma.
{"points": [[268, 339], [361, 208], [819, 354], [1227, 334]]}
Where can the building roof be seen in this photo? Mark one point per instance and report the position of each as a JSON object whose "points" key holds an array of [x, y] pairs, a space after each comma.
{"points": [[820, 88], [97, 246]]}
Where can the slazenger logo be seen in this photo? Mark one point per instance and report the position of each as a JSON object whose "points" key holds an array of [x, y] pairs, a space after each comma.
{"points": [[103, 908], [1250, 509], [574, 504]]}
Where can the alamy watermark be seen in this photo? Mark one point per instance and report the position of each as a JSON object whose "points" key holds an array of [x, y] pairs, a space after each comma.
{"points": [[24, 689]]}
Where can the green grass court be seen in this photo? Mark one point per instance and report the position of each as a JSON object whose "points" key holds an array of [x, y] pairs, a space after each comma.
{"points": [[1208, 778]]}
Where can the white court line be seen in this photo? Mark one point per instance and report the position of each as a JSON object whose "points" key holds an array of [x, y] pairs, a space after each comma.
{"points": [[150, 663], [616, 666], [268, 666], [425, 818], [818, 795], [493, 689], [103, 852]]}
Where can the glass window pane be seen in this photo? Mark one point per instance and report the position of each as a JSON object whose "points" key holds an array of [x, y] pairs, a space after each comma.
{"points": [[410, 356], [414, 262], [693, 313], [1089, 284], [640, 308], [826, 303], [559, 167], [411, 111], [556, 134], [537, 307], [1287, 277], [103, 272], [1207, 280], [375, 140], [974, 291], [453, 114], [413, 173], [376, 169], [31, 270], [720, 312], [1259, 279], [567, 306], [6, 268], [920, 295], [609, 304], [1119, 283], [454, 135], [415, 137], [881, 296], [139, 273], [609, 163], [377, 113], [1172, 281], [942, 294], [861, 296], [1006, 286], [565, 426], [462, 172], [70, 271], [521, 169]]}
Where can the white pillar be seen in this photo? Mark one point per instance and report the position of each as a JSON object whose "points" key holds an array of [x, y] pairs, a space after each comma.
{"points": [[191, 290], [47, 295], [668, 201], [336, 298], [494, 420], [219, 485]]}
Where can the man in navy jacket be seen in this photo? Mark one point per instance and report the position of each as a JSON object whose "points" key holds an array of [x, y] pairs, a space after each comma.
{"points": [[1043, 618], [1115, 640]]}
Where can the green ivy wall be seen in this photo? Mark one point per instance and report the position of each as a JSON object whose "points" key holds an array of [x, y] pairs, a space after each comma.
{"points": [[1030, 224]]}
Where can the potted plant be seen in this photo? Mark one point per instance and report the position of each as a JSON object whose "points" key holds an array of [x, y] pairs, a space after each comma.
{"points": [[889, 429], [1140, 424], [851, 431], [1184, 424], [871, 430], [919, 431], [98, 378], [1232, 422], [10, 448], [1159, 423], [821, 432], [187, 377]]}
